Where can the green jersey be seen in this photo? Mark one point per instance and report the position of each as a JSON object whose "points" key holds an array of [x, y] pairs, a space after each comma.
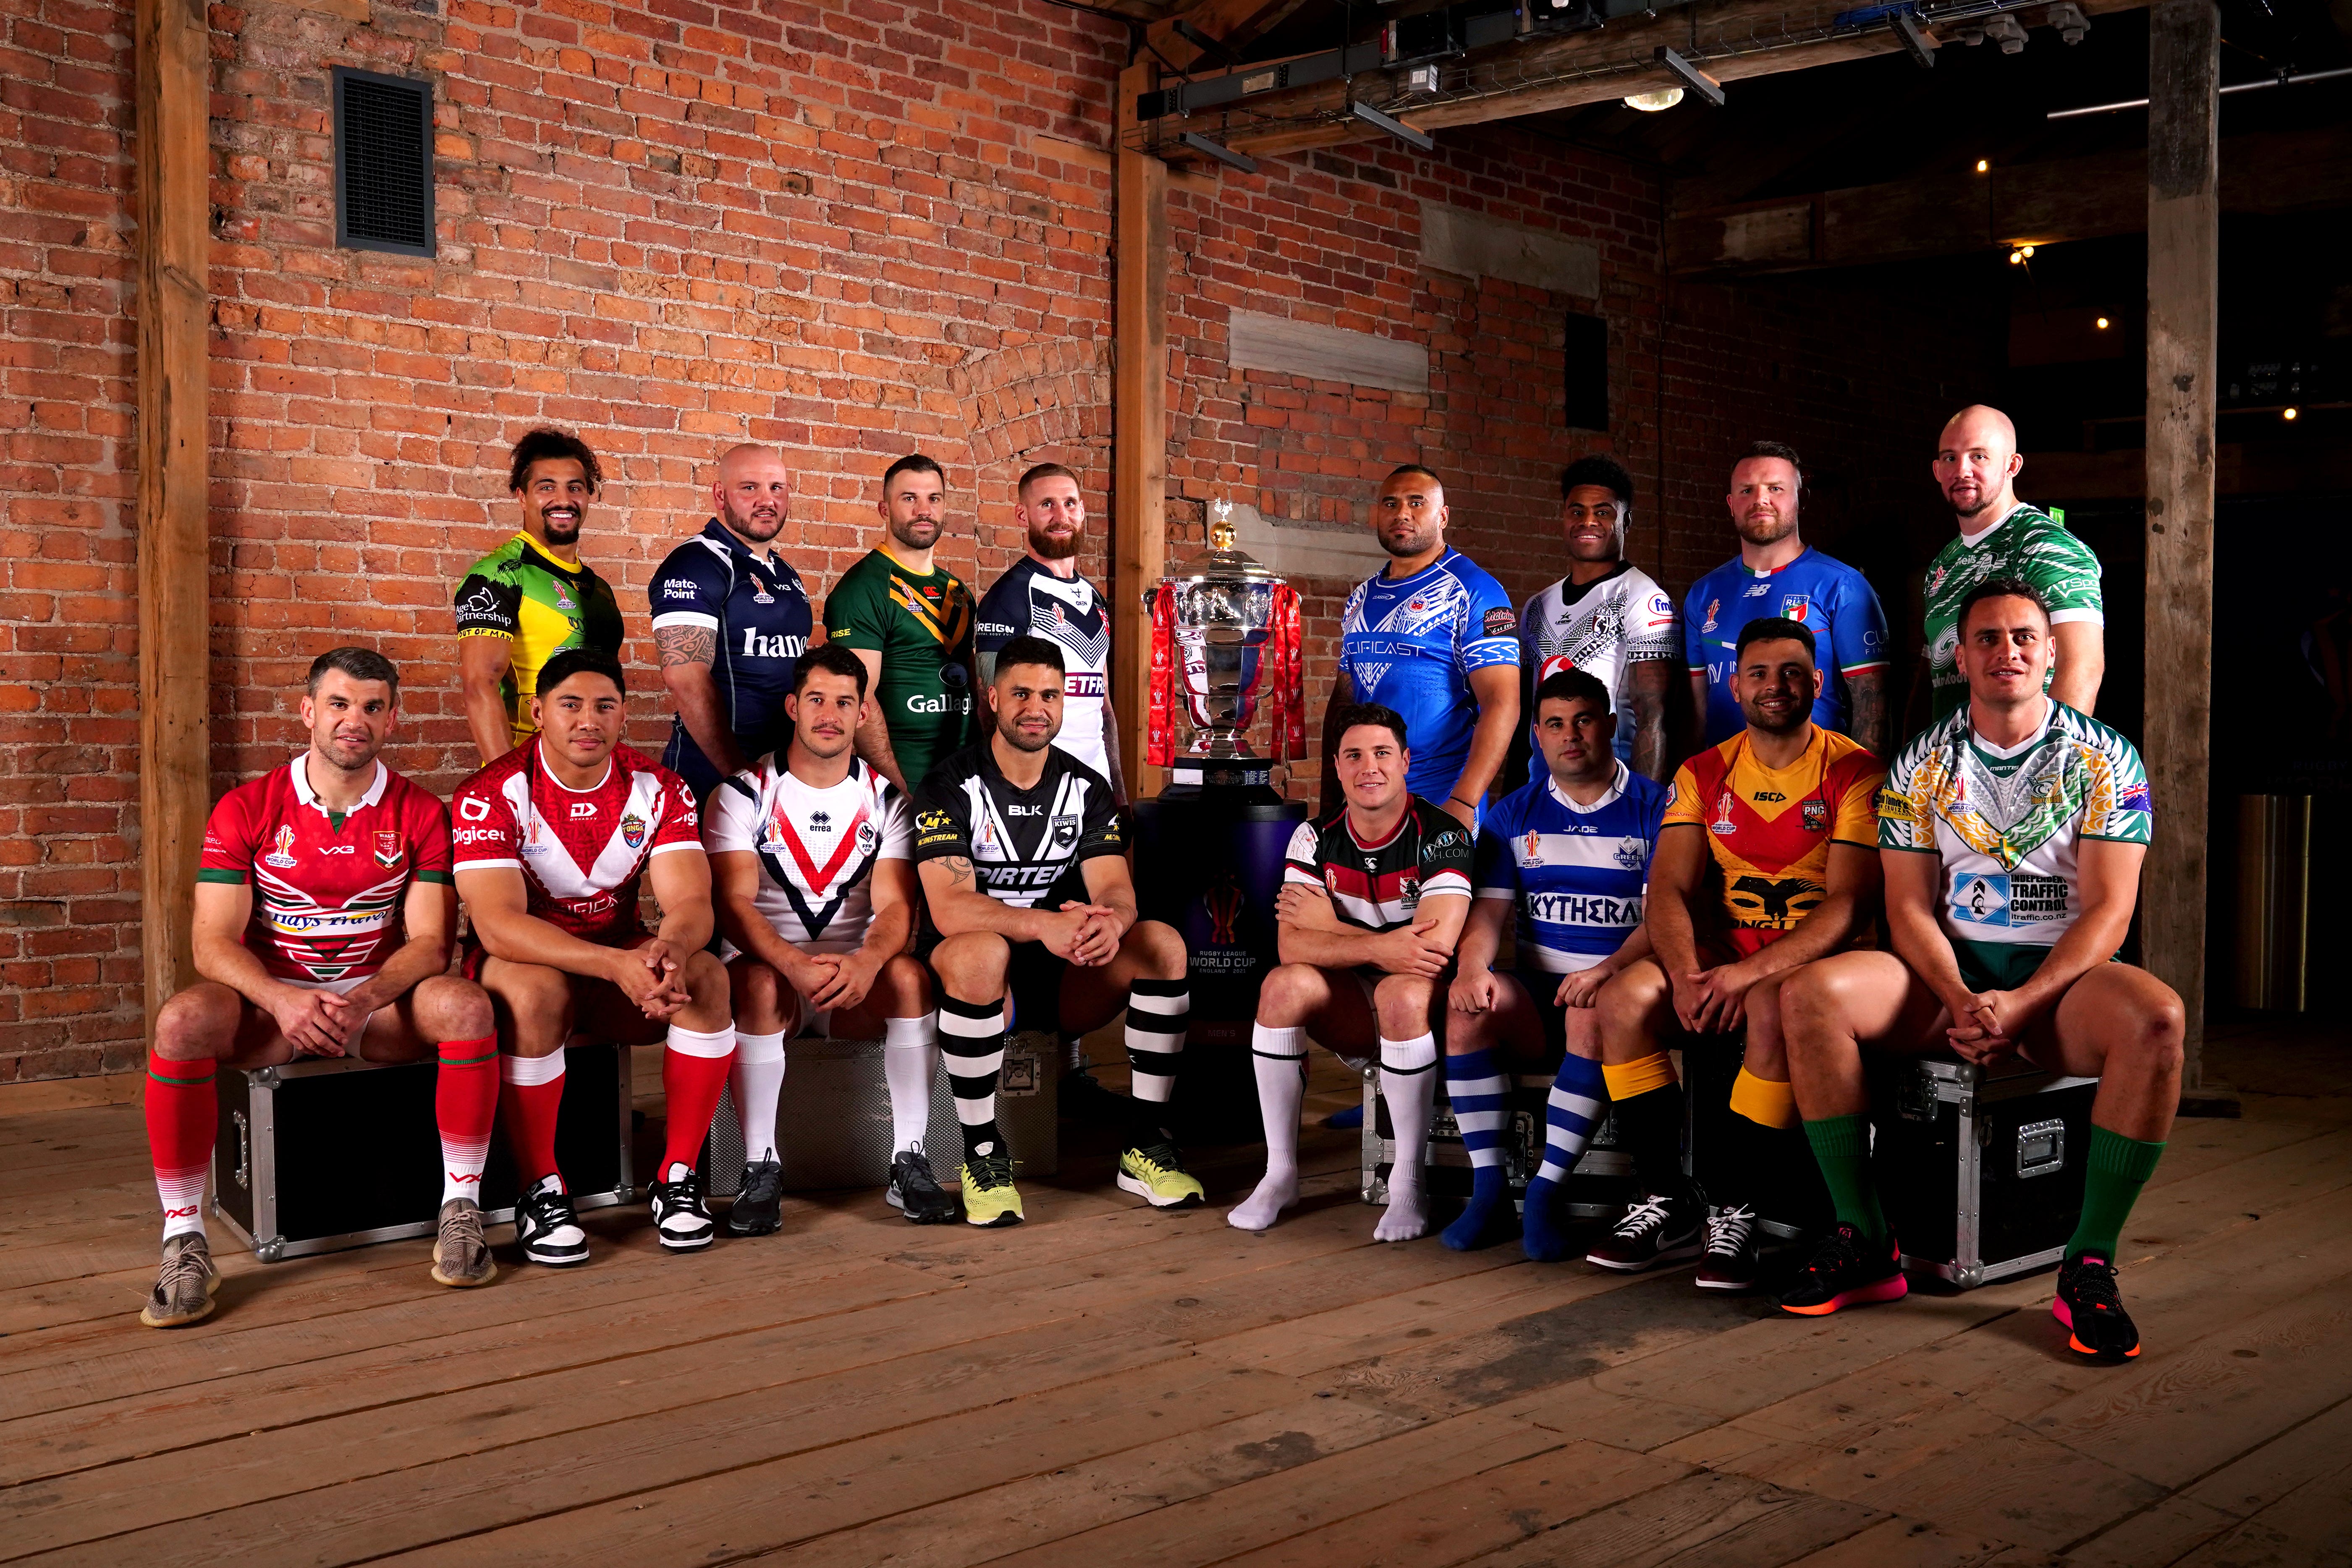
{"points": [[920, 623], [2030, 544], [2009, 824], [541, 605]]}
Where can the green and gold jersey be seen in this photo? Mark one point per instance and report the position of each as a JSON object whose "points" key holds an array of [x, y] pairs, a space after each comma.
{"points": [[2029, 543], [921, 625], [541, 605]]}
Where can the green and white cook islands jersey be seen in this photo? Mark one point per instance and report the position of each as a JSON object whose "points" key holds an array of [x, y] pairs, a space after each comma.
{"points": [[2029, 544], [2009, 823]]}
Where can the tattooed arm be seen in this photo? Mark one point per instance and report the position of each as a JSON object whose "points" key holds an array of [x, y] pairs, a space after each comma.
{"points": [[686, 657]]}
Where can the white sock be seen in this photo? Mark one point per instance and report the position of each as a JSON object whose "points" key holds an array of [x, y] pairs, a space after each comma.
{"points": [[758, 1080], [1409, 1083], [1278, 1055], [182, 1195], [910, 1062]]}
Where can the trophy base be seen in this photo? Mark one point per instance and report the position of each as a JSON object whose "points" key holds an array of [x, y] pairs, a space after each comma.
{"points": [[1191, 775]]}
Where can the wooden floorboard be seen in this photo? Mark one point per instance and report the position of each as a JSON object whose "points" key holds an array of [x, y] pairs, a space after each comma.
{"points": [[1110, 1384]]}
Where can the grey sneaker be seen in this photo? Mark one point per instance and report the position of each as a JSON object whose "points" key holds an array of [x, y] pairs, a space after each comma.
{"points": [[461, 1257], [184, 1287]]}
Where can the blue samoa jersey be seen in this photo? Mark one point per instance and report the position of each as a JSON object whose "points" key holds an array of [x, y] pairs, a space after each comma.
{"points": [[758, 615], [1816, 590], [1410, 644], [1577, 872]]}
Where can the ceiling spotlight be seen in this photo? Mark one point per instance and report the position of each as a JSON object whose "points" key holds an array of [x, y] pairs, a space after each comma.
{"points": [[1697, 80], [2026, 251], [1984, 165], [2287, 412], [2015, 256], [1652, 103], [2102, 323]]}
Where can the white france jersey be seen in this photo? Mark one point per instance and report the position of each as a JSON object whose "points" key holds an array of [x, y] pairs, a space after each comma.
{"points": [[816, 847], [1604, 629]]}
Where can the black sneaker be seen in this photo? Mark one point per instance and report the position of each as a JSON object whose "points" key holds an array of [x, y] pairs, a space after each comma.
{"points": [[549, 1227], [916, 1191], [2088, 1304], [1848, 1269], [681, 1218], [759, 1204], [1079, 1098], [1729, 1262], [1655, 1231]]}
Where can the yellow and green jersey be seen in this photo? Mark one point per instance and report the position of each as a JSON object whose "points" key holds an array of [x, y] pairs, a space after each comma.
{"points": [[541, 605], [920, 623]]}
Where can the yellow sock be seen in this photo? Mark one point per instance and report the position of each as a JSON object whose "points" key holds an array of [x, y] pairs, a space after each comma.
{"points": [[1764, 1102], [1627, 1079]]}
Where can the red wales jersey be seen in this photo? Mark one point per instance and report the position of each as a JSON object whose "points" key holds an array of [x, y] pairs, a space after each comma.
{"points": [[327, 890], [582, 853]]}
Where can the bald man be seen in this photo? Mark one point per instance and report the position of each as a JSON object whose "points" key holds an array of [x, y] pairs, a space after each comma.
{"points": [[1977, 464], [730, 623]]}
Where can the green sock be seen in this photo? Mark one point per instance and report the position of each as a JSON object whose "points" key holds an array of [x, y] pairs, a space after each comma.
{"points": [[1842, 1149], [2118, 1168]]}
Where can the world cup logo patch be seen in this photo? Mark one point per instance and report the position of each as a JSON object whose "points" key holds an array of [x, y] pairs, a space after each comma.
{"points": [[283, 857]]}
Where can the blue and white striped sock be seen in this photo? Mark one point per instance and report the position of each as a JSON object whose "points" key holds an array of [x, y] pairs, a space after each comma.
{"points": [[1481, 1096], [1578, 1101]]}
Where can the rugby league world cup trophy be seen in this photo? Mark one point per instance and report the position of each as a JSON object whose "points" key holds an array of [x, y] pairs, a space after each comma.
{"points": [[1209, 851]]}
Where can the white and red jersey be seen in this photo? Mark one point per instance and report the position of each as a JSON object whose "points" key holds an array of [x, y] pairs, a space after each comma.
{"points": [[582, 852], [816, 847], [327, 887]]}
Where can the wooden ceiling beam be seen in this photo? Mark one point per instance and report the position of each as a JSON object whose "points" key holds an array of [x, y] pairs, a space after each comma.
{"points": [[1235, 23]]}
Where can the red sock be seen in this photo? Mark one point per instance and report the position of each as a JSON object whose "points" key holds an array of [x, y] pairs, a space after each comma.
{"points": [[181, 1112], [465, 1103], [694, 1071], [528, 1107]]}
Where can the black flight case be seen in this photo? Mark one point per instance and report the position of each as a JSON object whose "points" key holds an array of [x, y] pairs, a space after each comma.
{"points": [[325, 1153]]}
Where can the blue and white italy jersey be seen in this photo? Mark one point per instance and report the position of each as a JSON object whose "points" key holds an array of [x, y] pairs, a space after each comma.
{"points": [[1578, 872], [1410, 644], [1821, 592], [758, 614]]}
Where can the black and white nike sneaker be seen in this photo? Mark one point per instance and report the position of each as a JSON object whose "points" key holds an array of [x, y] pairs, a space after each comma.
{"points": [[759, 1204], [681, 1219], [549, 1227], [916, 1191]]}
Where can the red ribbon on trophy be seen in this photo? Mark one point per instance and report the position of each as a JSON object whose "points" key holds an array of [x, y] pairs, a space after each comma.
{"points": [[1288, 719], [1159, 732]]}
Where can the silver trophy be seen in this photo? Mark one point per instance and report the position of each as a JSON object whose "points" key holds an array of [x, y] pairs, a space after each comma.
{"points": [[1224, 610]]}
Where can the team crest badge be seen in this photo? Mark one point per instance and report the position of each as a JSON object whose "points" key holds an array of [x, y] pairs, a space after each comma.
{"points": [[283, 855], [633, 830], [866, 837], [388, 849], [1066, 832], [1797, 607], [1817, 817], [1632, 854]]}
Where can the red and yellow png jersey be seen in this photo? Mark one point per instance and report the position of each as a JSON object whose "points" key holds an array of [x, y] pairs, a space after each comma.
{"points": [[1770, 831]]}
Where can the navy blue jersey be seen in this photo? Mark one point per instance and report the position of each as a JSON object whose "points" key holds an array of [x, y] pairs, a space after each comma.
{"points": [[759, 614], [1411, 644], [1030, 601], [1575, 873], [1823, 593]]}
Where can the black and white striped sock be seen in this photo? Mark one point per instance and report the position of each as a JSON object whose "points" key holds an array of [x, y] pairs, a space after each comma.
{"points": [[1158, 1013], [972, 1045]]}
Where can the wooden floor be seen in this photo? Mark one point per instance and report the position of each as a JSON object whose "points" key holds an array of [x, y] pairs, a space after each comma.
{"points": [[1109, 1385]]}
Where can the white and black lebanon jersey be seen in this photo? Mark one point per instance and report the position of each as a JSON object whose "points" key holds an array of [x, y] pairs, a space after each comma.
{"points": [[816, 847], [1030, 601], [1025, 845]]}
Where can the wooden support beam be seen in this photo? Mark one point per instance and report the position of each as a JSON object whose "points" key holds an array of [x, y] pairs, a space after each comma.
{"points": [[174, 126], [1138, 422], [1948, 214], [2184, 225]]}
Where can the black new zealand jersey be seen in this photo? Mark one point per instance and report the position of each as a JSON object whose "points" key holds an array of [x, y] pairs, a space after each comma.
{"points": [[1025, 845], [1379, 886]]}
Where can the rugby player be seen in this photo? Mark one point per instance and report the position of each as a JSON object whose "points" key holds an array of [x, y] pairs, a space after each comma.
{"points": [[1606, 617], [554, 841], [532, 596], [911, 621], [1767, 859], [2012, 833], [1433, 638], [730, 618], [1977, 464], [1777, 575], [324, 910], [1568, 856], [1373, 899], [816, 899], [1023, 864]]}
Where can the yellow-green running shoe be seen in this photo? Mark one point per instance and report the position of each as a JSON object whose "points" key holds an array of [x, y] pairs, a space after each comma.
{"points": [[988, 1196], [1155, 1173]]}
